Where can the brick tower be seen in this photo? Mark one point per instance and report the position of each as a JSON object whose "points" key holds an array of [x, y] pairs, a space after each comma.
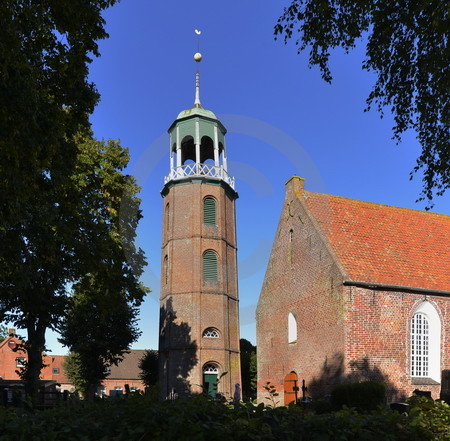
{"points": [[199, 322]]}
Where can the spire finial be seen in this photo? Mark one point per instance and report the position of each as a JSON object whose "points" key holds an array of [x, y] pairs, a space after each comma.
{"points": [[197, 58]]}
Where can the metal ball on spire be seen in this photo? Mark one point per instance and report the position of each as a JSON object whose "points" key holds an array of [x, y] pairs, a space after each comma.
{"points": [[197, 58]]}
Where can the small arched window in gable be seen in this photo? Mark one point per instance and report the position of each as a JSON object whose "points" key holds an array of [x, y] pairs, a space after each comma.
{"points": [[210, 273], [291, 238], [209, 211], [292, 328], [211, 333]]}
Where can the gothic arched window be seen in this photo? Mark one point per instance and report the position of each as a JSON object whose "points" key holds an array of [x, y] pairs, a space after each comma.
{"points": [[209, 211], [292, 328], [425, 342], [210, 273]]}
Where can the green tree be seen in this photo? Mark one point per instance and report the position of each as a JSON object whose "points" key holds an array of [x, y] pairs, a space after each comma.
{"points": [[72, 369], [83, 244], [248, 369], [407, 47], [45, 50], [148, 365], [99, 328], [99, 323], [4, 334]]}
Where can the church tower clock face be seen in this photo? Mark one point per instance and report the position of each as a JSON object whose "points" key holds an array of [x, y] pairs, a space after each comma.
{"points": [[199, 322]]}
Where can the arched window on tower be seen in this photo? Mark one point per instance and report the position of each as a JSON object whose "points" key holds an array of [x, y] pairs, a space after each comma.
{"points": [[210, 273], [167, 216], [292, 328], [425, 342], [209, 211], [187, 150], [206, 150], [211, 333], [166, 269]]}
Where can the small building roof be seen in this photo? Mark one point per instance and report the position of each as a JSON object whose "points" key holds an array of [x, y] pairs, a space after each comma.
{"points": [[128, 368], [384, 244]]}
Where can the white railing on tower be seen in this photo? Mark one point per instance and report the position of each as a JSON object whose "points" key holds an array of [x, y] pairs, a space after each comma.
{"points": [[201, 170]]}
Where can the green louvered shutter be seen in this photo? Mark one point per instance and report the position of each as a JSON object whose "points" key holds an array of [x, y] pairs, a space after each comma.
{"points": [[210, 266], [209, 211]]}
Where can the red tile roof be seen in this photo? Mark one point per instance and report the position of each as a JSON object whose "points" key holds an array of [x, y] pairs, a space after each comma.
{"points": [[384, 244]]}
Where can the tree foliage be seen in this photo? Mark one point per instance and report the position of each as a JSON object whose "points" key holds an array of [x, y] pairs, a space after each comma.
{"points": [[50, 226], [4, 333], [407, 47], [82, 243], [99, 323], [149, 368]]}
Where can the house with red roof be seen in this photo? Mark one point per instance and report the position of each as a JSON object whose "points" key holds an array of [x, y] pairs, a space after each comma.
{"points": [[123, 377], [354, 291]]}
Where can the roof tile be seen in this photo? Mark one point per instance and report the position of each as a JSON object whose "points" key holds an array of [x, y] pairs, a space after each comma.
{"points": [[384, 244]]}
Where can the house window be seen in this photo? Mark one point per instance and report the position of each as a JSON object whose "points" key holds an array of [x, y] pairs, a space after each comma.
{"points": [[210, 273], [211, 333], [55, 371], [292, 328], [21, 362], [425, 342], [209, 211]]}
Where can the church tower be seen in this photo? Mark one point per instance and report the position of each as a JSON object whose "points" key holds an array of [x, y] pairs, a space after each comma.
{"points": [[199, 322]]}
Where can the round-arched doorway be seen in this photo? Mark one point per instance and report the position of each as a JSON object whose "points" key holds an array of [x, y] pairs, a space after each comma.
{"points": [[290, 388], [210, 378]]}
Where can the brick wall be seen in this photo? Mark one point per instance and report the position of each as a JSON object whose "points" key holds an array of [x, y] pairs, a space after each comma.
{"points": [[301, 278], [188, 304], [345, 333], [378, 338]]}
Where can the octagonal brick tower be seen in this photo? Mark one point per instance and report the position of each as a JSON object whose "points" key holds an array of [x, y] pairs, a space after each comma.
{"points": [[199, 322]]}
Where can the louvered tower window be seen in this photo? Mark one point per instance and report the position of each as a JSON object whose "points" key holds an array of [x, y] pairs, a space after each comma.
{"points": [[210, 266], [209, 211]]}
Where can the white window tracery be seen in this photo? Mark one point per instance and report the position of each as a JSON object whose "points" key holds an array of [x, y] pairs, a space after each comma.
{"points": [[211, 333], [425, 342], [210, 368]]}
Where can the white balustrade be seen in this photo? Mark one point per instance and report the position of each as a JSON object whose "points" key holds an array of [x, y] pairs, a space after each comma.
{"points": [[200, 170]]}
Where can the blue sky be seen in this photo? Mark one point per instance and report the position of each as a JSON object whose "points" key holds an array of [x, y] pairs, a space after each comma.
{"points": [[282, 119]]}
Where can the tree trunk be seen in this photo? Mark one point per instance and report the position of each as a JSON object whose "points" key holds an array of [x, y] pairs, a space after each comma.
{"points": [[90, 392], [34, 346]]}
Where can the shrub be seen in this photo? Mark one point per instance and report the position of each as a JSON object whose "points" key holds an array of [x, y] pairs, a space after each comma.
{"points": [[434, 416], [364, 396], [141, 418]]}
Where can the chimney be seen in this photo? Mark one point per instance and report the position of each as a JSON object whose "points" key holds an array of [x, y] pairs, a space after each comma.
{"points": [[295, 185]]}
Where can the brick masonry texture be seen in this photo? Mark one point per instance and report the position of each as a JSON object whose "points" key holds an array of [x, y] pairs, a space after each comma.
{"points": [[188, 304], [349, 333]]}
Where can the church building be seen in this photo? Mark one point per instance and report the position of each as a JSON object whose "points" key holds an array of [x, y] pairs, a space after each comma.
{"points": [[199, 324], [354, 291]]}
